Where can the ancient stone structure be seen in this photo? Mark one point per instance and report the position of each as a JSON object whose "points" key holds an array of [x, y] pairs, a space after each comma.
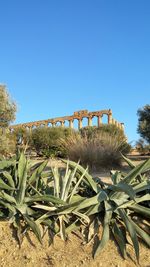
{"points": [[78, 115]]}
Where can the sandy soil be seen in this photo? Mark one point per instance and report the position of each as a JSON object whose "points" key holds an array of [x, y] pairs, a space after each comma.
{"points": [[65, 254]]}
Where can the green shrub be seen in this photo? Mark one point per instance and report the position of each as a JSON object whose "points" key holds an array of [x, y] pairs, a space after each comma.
{"points": [[98, 150], [112, 129], [7, 115], [142, 147], [7, 144], [45, 140]]}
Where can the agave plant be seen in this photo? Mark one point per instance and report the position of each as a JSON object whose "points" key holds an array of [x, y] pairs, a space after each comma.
{"points": [[16, 181], [125, 199], [32, 196], [116, 204], [70, 188], [69, 200]]}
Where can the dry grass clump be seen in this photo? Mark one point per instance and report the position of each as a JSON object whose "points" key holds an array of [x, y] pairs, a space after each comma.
{"points": [[101, 150]]}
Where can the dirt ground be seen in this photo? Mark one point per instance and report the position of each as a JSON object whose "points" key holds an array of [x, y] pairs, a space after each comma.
{"points": [[72, 253]]}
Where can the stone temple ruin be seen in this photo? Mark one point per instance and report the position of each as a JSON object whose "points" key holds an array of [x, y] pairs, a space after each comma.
{"points": [[78, 115]]}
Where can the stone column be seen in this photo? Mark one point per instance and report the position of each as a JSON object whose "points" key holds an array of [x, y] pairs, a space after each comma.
{"points": [[79, 123], [113, 121], [109, 118], [99, 119], [89, 121], [30, 130], [71, 124], [62, 123], [122, 126]]}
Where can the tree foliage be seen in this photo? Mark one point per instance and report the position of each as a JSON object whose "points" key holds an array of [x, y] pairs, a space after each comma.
{"points": [[7, 107], [7, 115], [144, 122], [45, 140]]}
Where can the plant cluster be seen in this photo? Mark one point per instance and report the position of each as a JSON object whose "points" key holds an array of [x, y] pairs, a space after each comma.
{"points": [[45, 140], [95, 146], [97, 150], [69, 200]]}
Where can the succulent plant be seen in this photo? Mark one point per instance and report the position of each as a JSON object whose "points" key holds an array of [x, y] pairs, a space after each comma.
{"points": [[65, 200]]}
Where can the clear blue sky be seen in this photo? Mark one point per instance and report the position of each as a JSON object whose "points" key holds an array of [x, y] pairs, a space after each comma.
{"points": [[59, 56]]}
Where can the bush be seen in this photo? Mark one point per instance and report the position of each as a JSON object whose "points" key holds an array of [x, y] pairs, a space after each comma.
{"points": [[7, 145], [142, 147], [100, 150], [45, 140], [144, 122], [7, 115], [109, 129]]}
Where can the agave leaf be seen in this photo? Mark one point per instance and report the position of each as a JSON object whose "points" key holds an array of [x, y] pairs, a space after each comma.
{"points": [[122, 187], [9, 206], [51, 224], [7, 197], [142, 186], [115, 177], [76, 185], [9, 178], [93, 229], [94, 209], [3, 185], [121, 199], [62, 228], [37, 172], [87, 176], [46, 174], [44, 207], [130, 162], [105, 234], [120, 239], [22, 208], [65, 179], [73, 226], [142, 233], [76, 198], [131, 230], [100, 197], [127, 204], [144, 166], [18, 226], [141, 209], [69, 182], [21, 167], [46, 198], [66, 209], [82, 216], [57, 182], [6, 164], [33, 225], [22, 173]]}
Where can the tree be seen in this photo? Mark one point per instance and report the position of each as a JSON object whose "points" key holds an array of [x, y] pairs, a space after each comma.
{"points": [[144, 122], [7, 115], [7, 107]]}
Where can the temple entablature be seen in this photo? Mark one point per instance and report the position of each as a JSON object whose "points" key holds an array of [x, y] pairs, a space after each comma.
{"points": [[77, 115]]}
